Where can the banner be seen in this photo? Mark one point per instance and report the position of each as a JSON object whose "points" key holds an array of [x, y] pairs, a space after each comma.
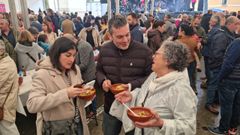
{"points": [[124, 2], [2, 8]]}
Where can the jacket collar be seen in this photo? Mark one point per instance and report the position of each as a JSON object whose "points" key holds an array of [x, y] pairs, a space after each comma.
{"points": [[59, 81], [57, 76], [161, 83]]}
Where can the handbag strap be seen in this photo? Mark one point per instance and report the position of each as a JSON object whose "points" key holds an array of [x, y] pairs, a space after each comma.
{"points": [[31, 57], [7, 95], [77, 117]]}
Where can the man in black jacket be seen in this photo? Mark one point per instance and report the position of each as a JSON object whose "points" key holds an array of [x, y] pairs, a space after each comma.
{"points": [[229, 92], [220, 42], [136, 34], [121, 60]]}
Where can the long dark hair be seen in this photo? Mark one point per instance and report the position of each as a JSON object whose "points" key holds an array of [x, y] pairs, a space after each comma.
{"points": [[60, 46]]}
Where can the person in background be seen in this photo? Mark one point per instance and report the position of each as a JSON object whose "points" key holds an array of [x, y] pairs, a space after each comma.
{"points": [[90, 16], [238, 15], [43, 45], [9, 49], [237, 32], [218, 45], [166, 92], [85, 18], [91, 35], [186, 37], [148, 24], [222, 18], [1, 16], [156, 36], [8, 92], [205, 21], [8, 33], [178, 20], [68, 26], [49, 22], [48, 31], [43, 42], [54, 19], [200, 36], [97, 23], [134, 27], [35, 23], [85, 61], [104, 23], [121, 60], [27, 51], [40, 16], [214, 25], [185, 19], [34, 31], [170, 27], [229, 92], [53, 92], [78, 24]]}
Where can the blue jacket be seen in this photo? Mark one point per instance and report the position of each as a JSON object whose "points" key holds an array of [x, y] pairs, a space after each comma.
{"points": [[136, 34], [44, 46], [218, 46], [231, 65], [206, 47]]}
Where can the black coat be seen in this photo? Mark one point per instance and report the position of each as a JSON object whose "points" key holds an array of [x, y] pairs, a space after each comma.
{"points": [[218, 46], [123, 66]]}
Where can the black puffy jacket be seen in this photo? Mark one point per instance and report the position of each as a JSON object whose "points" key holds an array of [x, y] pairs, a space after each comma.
{"points": [[123, 66]]}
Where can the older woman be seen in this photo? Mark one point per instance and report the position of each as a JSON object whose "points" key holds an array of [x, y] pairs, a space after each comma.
{"points": [[53, 94], [8, 92], [166, 92]]}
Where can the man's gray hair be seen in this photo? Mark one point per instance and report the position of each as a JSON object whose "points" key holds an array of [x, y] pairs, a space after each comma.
{"points": [[231, 20], [217, 19], [5, 21], [116, 21], [176, 54]]}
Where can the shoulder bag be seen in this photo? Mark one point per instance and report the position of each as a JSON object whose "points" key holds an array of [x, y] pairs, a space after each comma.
{"points": [[1, 108]]}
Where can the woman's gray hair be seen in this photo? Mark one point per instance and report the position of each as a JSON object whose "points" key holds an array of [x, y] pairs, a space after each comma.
{"points": [[176, 54]]}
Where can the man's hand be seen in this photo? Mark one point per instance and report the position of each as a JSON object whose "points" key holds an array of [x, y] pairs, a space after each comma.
{"points": [[106, 85]]}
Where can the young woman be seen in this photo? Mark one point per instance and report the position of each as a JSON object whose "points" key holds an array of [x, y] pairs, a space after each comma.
{"points": [[53, 93], [49, 32]]}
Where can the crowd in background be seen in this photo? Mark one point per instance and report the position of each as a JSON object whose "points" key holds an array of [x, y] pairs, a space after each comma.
{"points": [[212, 37]]}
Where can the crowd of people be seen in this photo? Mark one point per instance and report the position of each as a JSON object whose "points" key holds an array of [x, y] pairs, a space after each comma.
{"points": [[156, 59]]}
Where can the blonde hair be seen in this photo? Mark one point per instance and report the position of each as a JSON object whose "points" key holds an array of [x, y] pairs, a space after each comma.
{"points": [[25, 36]]}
